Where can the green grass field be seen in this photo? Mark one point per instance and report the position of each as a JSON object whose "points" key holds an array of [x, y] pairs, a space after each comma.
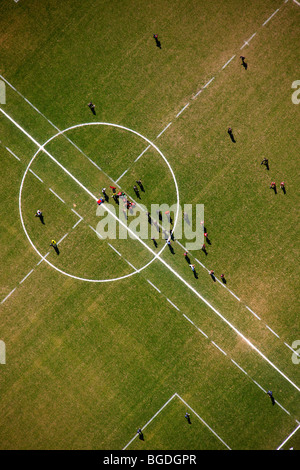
{"points": [[104, 337]]}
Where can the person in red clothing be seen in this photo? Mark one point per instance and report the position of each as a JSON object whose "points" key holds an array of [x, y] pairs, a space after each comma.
{"points": [[282, 185], [273, 186]]}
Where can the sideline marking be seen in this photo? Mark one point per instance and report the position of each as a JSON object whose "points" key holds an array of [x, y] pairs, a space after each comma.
{"points": [[206, 85], [228, 62], [122, 175], [13, 154], [295, 430], [2, 302], [53, 192], [168, 125], [267, 21], [27, 275], [181, 111], [34, 174]]}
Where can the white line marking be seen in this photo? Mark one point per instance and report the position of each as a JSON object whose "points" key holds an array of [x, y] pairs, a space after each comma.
{"points": [[115, 249], [168, 125], [26, 276], [228, 62], [201, 264], [78, 222], [147, 148], [245, 44], [94, 230], [218, 347], [150, 420], [251, 37], [200, 331], [13, 154], [206, 85], [259, 386], [121, 175], [230, 291], [181, 111], [77, 214], [62, 238], [283, 408], [272, 331], [53, 192], [34, 174], [133, 267], [198, 93], [155, 255], [153, 286], [239, 367], [270, 17], [8, 295], [288, 438], [44, 257], [294, 351], [172, 304], [211, 430], [252, 312], [295, 1]]}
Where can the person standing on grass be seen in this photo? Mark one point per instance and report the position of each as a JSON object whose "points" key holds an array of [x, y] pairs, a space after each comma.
{"points": [[140, 433], [54, 244], [270, 394], [243, 62], [92, 107], [204, 248], [136, 190], [157, 41], [187, 417], [282, 185], [212, 275], [139, 182], [39, 215], [231, 134], [223, 278], [265, 162], [273, 186]]}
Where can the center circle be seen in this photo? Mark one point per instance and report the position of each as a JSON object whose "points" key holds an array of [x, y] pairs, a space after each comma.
{"points": [[42, 147]]}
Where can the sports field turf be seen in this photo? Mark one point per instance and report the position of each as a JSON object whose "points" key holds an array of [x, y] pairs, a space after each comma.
{"points": [[104, 338]]}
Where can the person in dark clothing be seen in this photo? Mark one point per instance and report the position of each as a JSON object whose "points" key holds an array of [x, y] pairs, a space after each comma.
{"points": [[92, 107], [136, 191], [271, 396], [157, 41], [265, 162], [231, 134], [187, 417], [244, 64]]}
